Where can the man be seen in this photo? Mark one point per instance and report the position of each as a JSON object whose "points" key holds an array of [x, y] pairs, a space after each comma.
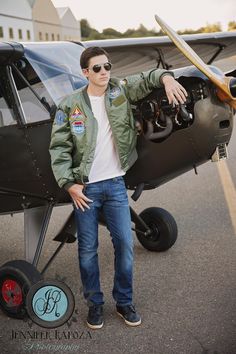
{"points": [[92, 146]]}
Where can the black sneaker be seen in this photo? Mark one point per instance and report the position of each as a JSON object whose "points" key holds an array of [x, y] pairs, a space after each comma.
{"points": [[129, 314], [95, 317]]}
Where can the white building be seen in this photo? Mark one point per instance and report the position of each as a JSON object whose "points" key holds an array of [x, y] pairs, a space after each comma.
{"points": [[47, 25], [36, 20], [70, 26], [16, 20]]}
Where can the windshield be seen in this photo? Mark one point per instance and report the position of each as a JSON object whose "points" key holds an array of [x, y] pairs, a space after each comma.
{"points": [[6, 109], [58, 67]]}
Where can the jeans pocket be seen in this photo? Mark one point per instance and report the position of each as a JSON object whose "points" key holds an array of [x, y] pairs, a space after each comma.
{"points": [[119, 179], [92, 191]]}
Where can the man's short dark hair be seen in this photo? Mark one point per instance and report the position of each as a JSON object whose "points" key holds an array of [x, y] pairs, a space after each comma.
{"points": [[90, 53]]}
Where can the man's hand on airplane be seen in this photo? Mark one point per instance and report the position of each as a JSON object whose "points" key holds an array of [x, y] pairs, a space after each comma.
{"points": [[175, 92]]}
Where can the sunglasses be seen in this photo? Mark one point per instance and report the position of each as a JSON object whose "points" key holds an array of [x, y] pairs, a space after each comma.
{"points": [[97, 67]]}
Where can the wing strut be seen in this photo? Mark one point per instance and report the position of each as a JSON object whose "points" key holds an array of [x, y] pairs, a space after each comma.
{"points": [[214, 56], [161, 60], [36, 222]]}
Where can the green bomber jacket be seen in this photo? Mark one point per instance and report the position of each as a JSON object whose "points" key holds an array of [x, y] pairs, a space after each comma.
{"points": [[74, 130]]}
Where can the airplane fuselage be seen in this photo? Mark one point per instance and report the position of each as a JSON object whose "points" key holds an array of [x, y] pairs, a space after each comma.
{"points": [[26, 178]]}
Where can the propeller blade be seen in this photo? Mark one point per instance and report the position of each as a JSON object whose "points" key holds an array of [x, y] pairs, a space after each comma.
{"points": [[225, 85]]}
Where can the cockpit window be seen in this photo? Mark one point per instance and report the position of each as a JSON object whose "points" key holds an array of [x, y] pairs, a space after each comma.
{"points": [[57, 65], [33, 109], [47, 73], [6, 112]]}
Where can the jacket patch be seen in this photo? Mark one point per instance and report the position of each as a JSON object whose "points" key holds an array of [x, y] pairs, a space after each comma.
{"points": [[78, 127], [60, 117], [119, 100], [114, 92], [76, 113]]}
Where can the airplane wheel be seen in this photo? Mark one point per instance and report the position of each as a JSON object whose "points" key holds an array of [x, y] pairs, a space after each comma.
{"points": [[163, 227], [16, 278]]}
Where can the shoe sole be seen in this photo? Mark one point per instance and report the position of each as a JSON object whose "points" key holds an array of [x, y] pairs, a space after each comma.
{"points": [[132, 324], [94, 326]]}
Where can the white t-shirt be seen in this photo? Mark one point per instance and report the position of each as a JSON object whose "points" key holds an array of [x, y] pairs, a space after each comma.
{"points": [[106, 163]]}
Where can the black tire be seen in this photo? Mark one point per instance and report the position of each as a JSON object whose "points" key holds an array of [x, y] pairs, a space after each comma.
{"points": [[16, 278], [163, 226]]}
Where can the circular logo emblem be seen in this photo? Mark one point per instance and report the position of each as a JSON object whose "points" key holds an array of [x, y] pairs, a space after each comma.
{"points": [[50, 303], [115, 91]]}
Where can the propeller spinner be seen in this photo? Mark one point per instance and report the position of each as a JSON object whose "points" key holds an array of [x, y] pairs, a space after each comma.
{"points": [[226, 86]]}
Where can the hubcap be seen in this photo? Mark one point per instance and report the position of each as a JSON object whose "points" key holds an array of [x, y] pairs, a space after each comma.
{"points": [[12, 293], [155, 232]]}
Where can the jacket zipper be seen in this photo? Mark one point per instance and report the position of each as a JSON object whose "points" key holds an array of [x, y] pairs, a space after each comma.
{"points": [[87, 151]]}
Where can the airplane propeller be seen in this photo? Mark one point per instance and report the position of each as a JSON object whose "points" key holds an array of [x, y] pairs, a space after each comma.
{"points": [[226, 86]]}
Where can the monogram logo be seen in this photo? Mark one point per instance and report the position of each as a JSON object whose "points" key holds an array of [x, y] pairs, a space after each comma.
{"points": [[50, 303]]}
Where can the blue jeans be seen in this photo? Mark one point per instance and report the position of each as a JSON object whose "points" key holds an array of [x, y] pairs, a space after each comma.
{"points": [[109, 196]]}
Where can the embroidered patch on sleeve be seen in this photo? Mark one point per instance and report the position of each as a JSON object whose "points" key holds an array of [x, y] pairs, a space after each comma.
{"points": [[60, 117]]}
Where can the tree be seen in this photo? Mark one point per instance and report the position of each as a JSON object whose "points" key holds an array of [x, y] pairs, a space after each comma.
{"points": [[111, 33], [214, 27], [188, 31], [232, 26], [89, 33], [129, 33], [94, 34], [85, 28], [141, 31]]}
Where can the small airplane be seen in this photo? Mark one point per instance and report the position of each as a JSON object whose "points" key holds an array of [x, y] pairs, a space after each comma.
{"points": [[172, 139]]}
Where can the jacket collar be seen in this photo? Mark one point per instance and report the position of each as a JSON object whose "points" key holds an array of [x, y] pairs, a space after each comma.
{"points": [[85, 93], [86, 97]]}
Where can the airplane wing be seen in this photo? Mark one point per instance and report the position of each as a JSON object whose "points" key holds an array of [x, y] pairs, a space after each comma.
{"points": [[133, 55]]}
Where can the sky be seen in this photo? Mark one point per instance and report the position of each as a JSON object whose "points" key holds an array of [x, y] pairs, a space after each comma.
{"points": [[124, 14]]}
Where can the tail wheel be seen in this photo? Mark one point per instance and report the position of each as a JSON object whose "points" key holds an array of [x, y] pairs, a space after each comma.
{"points": [[16, 278], [163, 229]]}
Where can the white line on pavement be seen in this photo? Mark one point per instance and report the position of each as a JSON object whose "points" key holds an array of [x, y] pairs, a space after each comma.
{"points": [[229, 190]]}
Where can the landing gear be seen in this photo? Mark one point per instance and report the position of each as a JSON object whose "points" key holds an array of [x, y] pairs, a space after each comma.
{"points": [[16, 278], [156, 229]]}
